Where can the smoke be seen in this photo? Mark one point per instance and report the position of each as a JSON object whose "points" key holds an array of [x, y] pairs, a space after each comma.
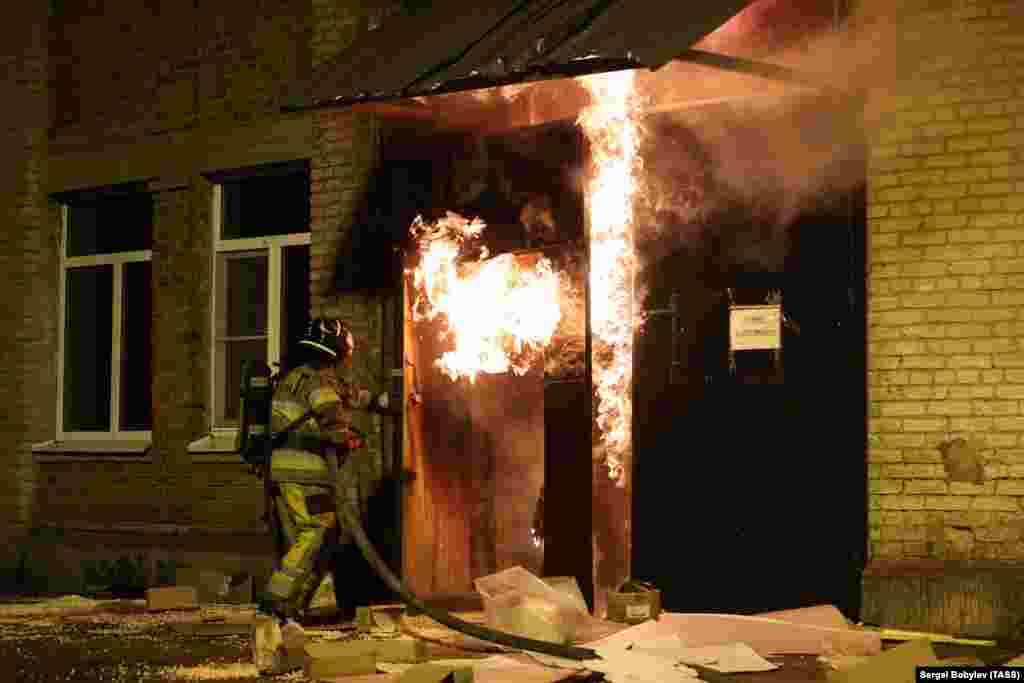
{"points": [[718, 142]]}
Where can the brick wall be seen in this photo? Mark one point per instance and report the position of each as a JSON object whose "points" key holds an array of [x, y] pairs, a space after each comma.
{"points": [[26, 260], [347, 149], [176, 64], [946, 221], [190, 88]]}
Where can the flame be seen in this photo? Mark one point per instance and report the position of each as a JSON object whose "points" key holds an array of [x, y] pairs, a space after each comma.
{"points": [[499, 313], [612, 129]]}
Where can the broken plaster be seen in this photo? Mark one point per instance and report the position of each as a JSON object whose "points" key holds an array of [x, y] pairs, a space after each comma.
{"points": [[962, 460]]}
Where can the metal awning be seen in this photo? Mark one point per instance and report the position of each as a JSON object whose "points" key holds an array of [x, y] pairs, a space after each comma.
{"points": [[455, 48]]}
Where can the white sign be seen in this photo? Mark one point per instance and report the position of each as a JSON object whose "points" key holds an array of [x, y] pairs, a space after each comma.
{"points": [[755, 327]]}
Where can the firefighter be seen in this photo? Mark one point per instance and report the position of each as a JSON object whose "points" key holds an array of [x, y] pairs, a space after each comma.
{"points": [[302, 495]]}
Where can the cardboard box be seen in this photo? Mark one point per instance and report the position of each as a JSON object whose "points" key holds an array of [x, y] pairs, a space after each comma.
{"points": [[211, 586], [634, 603]]}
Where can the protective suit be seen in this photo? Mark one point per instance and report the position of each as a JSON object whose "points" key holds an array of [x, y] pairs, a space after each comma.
{"points": [[302, 494]]}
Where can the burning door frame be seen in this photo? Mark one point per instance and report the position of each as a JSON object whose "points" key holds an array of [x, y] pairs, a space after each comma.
{"points": [[432, 562]]}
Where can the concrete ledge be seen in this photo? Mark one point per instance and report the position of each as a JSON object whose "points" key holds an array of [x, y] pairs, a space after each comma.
{"points": [[93, 449], [152, 529], [961, 598], [215, 448]]}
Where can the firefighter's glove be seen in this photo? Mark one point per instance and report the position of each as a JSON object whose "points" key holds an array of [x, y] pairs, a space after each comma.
{"points": [[364, 397]]}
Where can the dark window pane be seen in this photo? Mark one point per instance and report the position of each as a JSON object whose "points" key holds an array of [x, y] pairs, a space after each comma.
{"points": [[87, 349], [295, 303], [258, 206], [107, 225], [231, 355], [245, 282], [136, 347]]}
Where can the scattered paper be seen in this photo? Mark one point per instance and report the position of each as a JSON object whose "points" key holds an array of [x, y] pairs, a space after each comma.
{"points": [[730, 658], [842, 662], [621, 665]]}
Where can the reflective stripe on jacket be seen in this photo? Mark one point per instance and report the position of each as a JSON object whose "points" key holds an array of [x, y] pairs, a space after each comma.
{"points": [[299, 391]]}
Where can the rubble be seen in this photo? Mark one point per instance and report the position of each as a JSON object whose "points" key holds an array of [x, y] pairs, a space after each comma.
{"points": [[893, 666], [192, 645]]}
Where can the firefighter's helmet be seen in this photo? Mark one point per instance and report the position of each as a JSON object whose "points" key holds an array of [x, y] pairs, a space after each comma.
{"points": [[330, 336]]}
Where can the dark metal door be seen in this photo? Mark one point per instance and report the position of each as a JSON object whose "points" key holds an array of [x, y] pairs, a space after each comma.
{"points": [[750, 474]]}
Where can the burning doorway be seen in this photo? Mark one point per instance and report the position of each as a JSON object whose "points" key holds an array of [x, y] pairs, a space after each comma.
{"points": [[494, 317], [503, 419]]}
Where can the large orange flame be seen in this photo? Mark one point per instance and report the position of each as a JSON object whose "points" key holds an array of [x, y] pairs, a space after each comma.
{"points": [[499, 313], [611, 127]]}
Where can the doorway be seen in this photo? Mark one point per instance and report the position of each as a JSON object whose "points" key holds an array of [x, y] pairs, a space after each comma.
{"points": [[750, 474]]}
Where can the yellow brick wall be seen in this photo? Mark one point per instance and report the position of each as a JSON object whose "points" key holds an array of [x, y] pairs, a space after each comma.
{"points": [[27, 259], [191, 88], [946, 282]]}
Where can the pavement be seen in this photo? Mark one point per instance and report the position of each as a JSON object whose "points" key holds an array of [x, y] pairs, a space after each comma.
{"points": [[76, 639]]}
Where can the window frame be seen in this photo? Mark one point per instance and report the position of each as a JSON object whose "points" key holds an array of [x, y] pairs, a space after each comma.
{"points": [[117, 262], [273, 246]]}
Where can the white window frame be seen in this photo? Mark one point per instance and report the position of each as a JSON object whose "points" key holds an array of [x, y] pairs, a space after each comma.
{"points": [[117, 262], [274, 245]]}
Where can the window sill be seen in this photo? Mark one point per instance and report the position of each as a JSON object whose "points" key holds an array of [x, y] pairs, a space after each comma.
{"points": [[218, 447], [110, 449]]}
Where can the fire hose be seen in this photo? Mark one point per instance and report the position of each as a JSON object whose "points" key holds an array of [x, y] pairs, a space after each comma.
{"points": [[350, 522]]}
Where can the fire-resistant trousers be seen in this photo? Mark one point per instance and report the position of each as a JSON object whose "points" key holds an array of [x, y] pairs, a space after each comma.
{"points": [[303, 583], [302, 580]]}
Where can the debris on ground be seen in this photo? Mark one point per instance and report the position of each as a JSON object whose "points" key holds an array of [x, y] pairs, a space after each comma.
{"points": [[123, 641], [172, 598], [842, 662], [328, 660], [64, 604], [730, 658], [436, 673], [892, 666], [634, 603]]}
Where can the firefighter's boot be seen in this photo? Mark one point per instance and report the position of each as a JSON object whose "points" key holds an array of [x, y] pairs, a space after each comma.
{"points": [[266, 641], [293, 638]]}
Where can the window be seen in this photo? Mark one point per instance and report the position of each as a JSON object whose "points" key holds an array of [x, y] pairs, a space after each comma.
{"points": [[261, 276], [105, 356]]}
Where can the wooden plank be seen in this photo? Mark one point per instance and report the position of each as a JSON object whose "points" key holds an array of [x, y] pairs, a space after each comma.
{"points": [[171, 598], [319, 667], [400, 650], [417, 533]]}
